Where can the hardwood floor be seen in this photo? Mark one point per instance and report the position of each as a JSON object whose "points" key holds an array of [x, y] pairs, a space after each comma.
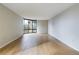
{"points": [[36, 44]]}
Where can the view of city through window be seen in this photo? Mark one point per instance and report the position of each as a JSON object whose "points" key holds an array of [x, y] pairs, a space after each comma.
{"points": [[30, 26]]}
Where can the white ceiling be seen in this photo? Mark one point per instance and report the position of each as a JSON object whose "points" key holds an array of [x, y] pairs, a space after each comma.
{"points": [[39, 11]]}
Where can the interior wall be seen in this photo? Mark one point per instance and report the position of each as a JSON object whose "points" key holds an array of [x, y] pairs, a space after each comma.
{"points": [[11, 26], [42, 26], [65, 27]]}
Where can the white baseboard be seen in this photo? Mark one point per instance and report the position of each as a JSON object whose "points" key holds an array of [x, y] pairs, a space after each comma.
{"points": [[65, 43], [8, 42]]}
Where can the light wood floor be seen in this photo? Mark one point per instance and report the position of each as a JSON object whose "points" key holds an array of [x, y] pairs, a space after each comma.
{"points": [[36, 44]]}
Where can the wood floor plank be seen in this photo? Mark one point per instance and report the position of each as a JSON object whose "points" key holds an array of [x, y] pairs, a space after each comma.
{"points": [[35, 44]]}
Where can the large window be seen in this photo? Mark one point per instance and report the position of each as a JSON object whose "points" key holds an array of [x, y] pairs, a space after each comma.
{"points": [[30, 26]]}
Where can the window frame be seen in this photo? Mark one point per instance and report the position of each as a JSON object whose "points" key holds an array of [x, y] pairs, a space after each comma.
{"points": [[29, 25]]}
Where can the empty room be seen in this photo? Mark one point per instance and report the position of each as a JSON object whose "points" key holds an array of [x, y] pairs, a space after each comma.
{"points": [[39, 29]]}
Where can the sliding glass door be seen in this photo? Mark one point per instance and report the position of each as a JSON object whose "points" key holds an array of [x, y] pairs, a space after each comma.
{"points": [[30, 26]]}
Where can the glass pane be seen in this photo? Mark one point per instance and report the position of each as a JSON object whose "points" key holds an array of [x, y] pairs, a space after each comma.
{"points": [[30, 24], [34, 25], [30, 31], [34, 31], [25, 24]]}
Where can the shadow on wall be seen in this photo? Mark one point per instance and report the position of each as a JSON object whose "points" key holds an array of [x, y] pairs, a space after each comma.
{"points": [[65, 27]]}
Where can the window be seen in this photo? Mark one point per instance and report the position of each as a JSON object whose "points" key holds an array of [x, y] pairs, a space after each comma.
{"points": [[30, 26]]}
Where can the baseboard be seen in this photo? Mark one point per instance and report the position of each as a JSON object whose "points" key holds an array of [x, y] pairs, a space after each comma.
{"points": [[10, 42], [61, 43]]}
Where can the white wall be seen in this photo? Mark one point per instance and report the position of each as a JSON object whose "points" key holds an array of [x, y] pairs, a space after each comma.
{"points": [[65, 27], [42, 26], [11, 26]]}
